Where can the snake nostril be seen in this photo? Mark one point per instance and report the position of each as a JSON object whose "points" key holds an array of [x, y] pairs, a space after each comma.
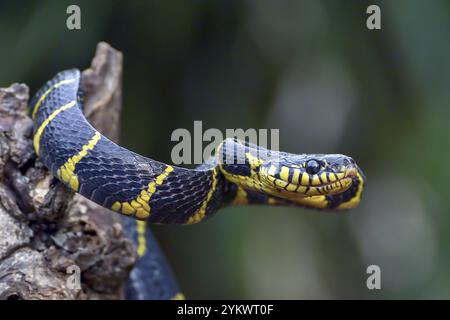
{"points": [[14, 296], [348, 162]]}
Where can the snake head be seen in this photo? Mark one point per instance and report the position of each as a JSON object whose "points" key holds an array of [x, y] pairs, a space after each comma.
{"points": [[294, 176], [325, 181]]}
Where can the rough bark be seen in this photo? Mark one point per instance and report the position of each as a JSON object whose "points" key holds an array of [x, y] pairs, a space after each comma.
{"points": [[45, 229]]}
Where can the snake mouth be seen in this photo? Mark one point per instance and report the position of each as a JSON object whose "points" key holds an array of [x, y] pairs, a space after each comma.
{"points": [[324, 183]]}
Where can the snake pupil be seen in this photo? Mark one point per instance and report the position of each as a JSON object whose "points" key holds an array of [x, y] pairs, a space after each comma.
{"points": [[312, 167]]}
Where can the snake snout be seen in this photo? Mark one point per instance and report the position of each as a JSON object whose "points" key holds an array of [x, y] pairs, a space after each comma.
{"points": [[342, 163]]}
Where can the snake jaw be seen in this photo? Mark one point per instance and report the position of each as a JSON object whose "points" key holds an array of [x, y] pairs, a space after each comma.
{"points": [[293, 181]]}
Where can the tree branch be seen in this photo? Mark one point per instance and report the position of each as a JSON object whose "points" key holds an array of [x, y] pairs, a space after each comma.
{"points": [[44, 227]]}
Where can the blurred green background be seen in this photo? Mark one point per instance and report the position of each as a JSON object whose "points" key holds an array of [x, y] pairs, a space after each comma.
{"points": [[310, 68]]}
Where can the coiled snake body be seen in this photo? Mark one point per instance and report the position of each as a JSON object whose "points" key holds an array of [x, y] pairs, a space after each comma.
{"points": [[133, 185]]}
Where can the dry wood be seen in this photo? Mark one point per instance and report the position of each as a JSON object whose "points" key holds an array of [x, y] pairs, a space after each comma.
{"points": [[44, 227]]}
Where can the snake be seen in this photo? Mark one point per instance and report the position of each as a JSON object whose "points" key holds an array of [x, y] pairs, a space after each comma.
{"points": [[238, 173]]}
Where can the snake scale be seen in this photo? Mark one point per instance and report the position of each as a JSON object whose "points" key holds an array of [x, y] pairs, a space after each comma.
{"points": [[240, 173]]}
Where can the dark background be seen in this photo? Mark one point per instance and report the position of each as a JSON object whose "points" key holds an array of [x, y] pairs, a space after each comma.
{"points": [[310, 68]]}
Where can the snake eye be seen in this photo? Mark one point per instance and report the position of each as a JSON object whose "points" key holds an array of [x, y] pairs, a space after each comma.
{"points": [[312, 167]]}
